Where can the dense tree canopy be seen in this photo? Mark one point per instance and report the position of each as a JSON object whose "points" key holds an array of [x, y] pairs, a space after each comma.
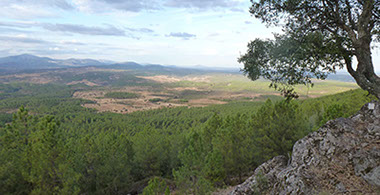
{"points": [[319, 37]]}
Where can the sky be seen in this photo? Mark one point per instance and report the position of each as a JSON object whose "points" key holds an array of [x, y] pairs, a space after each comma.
{"points": [[170, 32]]}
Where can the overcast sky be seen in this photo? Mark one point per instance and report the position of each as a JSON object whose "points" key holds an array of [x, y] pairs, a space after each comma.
{"points": [[169, 32]]}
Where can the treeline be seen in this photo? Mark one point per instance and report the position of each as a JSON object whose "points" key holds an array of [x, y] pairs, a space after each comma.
{"points": [[67, 149]]}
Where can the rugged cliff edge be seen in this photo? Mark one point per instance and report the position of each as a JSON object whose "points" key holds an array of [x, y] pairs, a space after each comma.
{"points": [[343, 156]]}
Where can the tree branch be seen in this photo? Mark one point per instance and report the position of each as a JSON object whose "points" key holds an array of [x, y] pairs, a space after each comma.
{"points": [[351, 21]]}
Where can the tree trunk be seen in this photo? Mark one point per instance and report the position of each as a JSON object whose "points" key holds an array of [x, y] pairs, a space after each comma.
{"points": [[364, 75]]}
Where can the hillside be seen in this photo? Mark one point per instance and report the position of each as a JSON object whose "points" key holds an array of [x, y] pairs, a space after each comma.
{"points": [[341, 157], [110, 153], [31, 62], [27, 62], [126, 128]]}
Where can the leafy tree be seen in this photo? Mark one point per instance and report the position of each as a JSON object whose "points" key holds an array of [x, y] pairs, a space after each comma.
{"points": [[43, 156], [200, 166], [276, 128], [14, 165], [233, 140], [106, 163], [156, 186], [320, 37], [334, 111], [32, 159], [152, 153]]}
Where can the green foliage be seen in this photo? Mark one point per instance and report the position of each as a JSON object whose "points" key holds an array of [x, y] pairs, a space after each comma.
{"points": [[231, 146], [320, 36], [156, 186], [315, 109], [334, 111], [232, 138], [155, 100], [14, 142], [152, 157], [191, 176], [277, 127], [64, 148], [121, 95], [5, 118], [183, 100], [32, 158], [287, 61]]}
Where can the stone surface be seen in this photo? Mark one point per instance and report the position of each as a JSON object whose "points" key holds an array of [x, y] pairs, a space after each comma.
{"points": [[343, 156]]}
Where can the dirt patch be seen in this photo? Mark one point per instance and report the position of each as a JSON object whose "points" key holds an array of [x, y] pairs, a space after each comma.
{"points": [[205, 79], [153, 98], [184, 88], [204, 102], [84, 81], [172, 79], [147, 100], [162, 79], [89, 95], [128, 106]]}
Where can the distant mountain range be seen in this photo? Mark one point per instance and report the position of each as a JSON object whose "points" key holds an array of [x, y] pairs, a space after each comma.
{"points": [[31, 62]]}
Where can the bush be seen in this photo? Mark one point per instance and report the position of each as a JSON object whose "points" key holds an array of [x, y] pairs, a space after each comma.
{"points": [[156, 186], [155, 100]]}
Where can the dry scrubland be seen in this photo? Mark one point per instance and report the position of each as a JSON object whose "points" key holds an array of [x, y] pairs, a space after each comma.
{"points": [[198, 91], [158, 89]]}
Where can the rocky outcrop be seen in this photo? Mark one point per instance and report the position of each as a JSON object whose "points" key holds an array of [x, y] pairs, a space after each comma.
{"points": [[342, 157]]}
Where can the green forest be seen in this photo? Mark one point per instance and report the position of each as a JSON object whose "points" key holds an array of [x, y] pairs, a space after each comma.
{"points": [[53, 145]]}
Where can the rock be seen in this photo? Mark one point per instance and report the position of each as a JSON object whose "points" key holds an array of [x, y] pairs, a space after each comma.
{"points": [[270, 169], [343, 156]]}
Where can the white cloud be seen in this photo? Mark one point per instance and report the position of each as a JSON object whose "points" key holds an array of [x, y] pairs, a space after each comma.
{"points": [[109, 5], [210, 52], [27, 9], [25, 12], [54, 49], [109, 30]]}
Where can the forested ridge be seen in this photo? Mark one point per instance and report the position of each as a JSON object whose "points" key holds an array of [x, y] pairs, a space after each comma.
{"points": [[53, 145]]}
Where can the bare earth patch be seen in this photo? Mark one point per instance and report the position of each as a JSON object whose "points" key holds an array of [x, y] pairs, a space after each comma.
{"points": [[204, 102], [84, 81], [184, 88], [172, 79], [143, 102], [162, 78]]}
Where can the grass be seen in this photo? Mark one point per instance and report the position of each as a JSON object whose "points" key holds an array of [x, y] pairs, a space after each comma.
{"points": [[240, 83]]}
